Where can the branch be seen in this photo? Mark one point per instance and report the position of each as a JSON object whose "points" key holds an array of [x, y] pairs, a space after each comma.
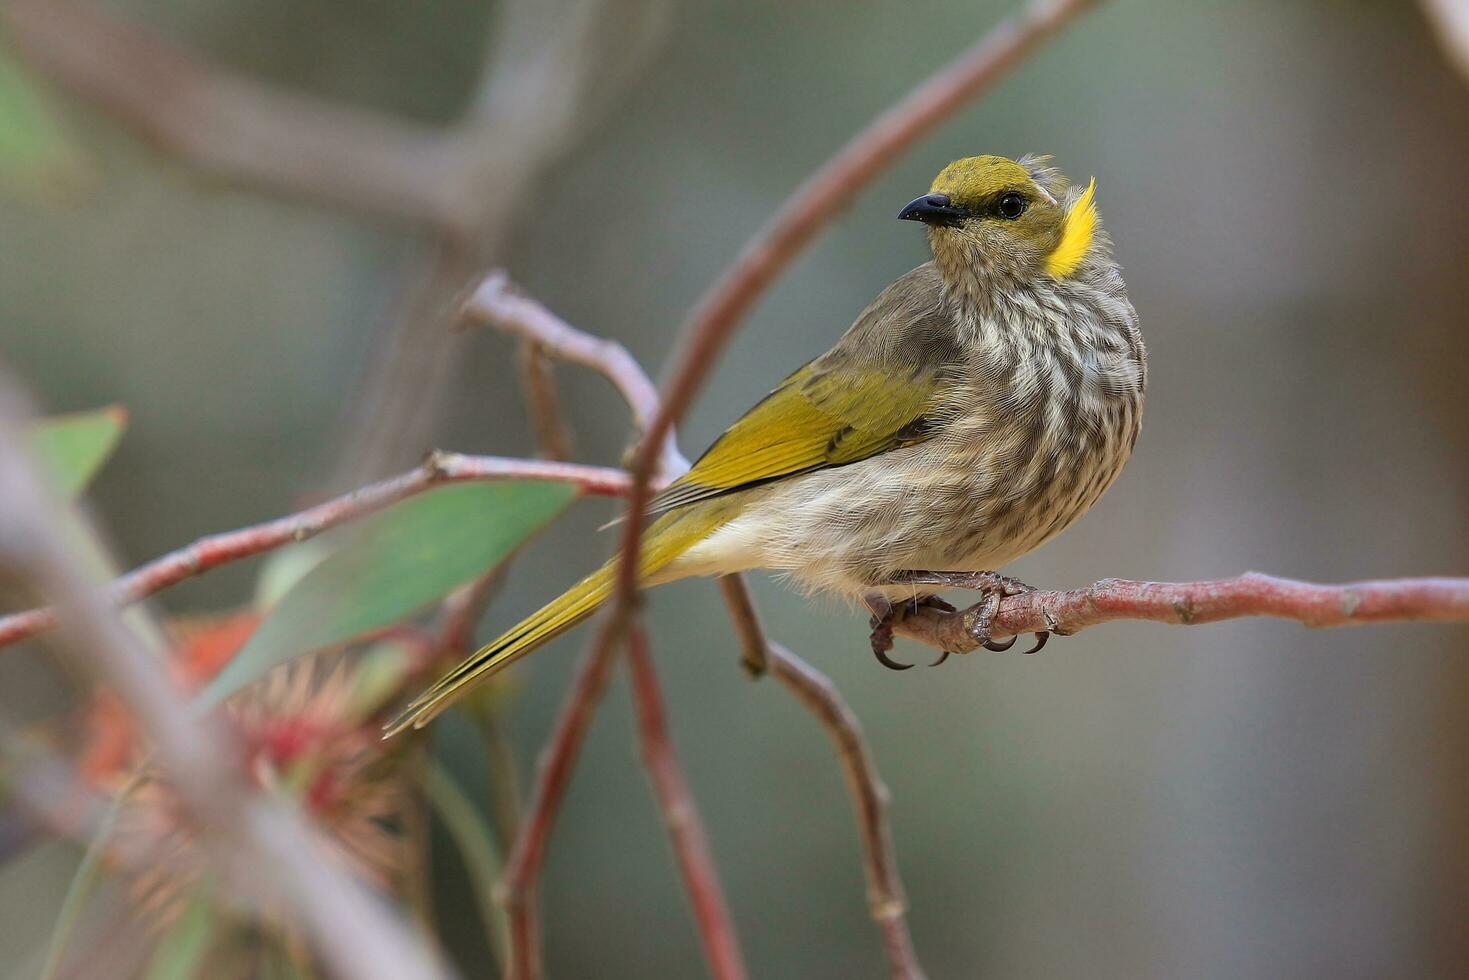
{"points": [[460, 181], [255, 842], [496, 302], [807, 211], [553, 775], [540, 329], [549, 72], [1190, 603], [690, 845], [553, 69], [869, 795], [1450, 21], [538, 383], [215, 550], [238, 129]]}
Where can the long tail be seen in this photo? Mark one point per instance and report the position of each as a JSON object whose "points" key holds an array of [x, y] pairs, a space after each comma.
{"points": [[666, 539]]}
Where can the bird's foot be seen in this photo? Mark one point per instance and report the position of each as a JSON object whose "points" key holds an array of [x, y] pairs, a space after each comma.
{"points": [[978, 618], [885, 613]]}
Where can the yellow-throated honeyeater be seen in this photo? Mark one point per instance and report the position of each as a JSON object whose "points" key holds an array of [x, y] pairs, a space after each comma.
{"points": [[982, 403]]}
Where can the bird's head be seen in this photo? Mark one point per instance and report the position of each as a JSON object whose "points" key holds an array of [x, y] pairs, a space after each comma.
{"points": [[1018, 218]]}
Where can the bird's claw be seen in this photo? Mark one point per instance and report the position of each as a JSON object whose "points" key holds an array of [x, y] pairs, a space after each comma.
{"points": [[886, 661], [885, 614], [979, 616]]}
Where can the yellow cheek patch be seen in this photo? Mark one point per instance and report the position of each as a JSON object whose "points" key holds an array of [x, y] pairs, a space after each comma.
{"points": [[1076, 235]]}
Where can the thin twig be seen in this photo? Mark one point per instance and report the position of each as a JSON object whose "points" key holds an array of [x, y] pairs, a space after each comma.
{"points": [[807, 211], [869, 794], [1444, 600], [690, 845], [553, 775], [464, 607], [215, 550], [742, 610], [538, 379], [686, 833], [256, 843], [496, 302]]}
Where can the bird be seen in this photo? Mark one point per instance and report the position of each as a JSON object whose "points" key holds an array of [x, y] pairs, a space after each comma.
{"points": [[976, 408]]}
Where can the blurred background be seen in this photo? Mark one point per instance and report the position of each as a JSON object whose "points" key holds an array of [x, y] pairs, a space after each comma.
{"points": [[1284, 185]]}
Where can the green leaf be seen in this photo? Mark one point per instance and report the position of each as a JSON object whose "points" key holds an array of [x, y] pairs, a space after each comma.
{"points": [[282, 569], [72, 448], [399, 562], [36, 154], [182, 949]]}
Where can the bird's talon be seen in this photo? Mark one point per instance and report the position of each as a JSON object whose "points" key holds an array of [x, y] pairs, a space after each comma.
{"points": [[942, 657], [888, 662], [1040, 640], [994, 646], [882, 633]]}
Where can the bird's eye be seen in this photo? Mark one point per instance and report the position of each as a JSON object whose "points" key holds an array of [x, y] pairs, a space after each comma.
{"points": [[1012, 205]]}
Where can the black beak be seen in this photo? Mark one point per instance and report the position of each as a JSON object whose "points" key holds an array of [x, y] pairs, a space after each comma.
{"points": [[932, 209]]}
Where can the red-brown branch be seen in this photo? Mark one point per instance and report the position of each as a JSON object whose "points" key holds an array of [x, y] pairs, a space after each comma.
{"points": [[685, 830], [806, 212], [553, 775], [215, 550], [869, 794], [538, 383], [498, 303], [543, 332], [1442, 600]]}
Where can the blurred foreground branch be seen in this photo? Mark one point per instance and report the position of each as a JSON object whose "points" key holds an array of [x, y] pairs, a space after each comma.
{"points": [[1450, 21], [238, 129], [258, 845], [455, 180]]}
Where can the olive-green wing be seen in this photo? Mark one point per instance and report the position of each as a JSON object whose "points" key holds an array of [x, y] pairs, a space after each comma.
{"points": [[879, 388]]}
